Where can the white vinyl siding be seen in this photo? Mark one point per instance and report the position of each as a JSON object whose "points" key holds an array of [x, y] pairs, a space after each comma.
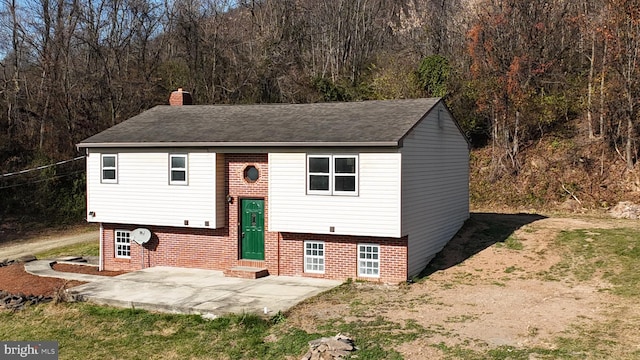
{"points": [[109, 172], [314, 257], [122, 244], [374, 212], [369, 260], [435, 186], [143, 194], [178, 169]]}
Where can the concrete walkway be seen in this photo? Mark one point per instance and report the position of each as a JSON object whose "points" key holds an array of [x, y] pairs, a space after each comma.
{"points": [[182, 290], [43, 268]]}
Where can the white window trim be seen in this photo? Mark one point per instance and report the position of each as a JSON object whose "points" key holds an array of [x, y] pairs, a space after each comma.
{"points": [[309, 257], [185, 169], [355, 175], [103, 168], [309, 174], [360, 272], [117, 240], [332, 175]]}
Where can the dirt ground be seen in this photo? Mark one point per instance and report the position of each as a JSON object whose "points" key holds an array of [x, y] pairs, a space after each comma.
{"points": [[491, 298], [14, 245]]}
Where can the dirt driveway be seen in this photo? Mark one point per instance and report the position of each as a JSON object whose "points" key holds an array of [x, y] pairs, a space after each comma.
{"points": [[30, 245], [483, 294]]}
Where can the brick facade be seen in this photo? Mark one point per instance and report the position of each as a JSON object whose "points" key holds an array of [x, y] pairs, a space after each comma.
{"points": [[219, 249], [341, 256]]}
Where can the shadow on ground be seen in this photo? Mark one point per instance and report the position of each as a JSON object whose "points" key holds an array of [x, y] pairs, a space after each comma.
{"points": [[478, 233]]}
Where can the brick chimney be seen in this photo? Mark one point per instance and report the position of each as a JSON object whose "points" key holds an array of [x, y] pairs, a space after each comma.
{"points": [[179, 98]]}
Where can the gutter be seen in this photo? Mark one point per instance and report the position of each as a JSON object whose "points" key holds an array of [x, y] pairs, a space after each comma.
{"points": [[238, 144]]}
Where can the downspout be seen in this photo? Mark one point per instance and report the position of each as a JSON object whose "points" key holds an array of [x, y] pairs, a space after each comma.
{"points": [[100, 261], [279, 236]]}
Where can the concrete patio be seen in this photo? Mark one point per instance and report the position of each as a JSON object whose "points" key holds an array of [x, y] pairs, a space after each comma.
{"points": [[183, 290]]}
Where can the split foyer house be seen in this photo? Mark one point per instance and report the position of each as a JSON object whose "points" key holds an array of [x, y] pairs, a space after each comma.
{"points": [[364, 190]]}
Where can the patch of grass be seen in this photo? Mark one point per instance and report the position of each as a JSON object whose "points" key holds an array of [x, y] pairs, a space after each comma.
{"points": [[89, 248], [278, 318], [601, 340], [377, 336], [465, 278], [504, 353], [512, 243], [613, 254], [86, 331], [511, 269]]}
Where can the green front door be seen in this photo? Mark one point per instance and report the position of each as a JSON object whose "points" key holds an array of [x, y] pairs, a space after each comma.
{"points": [[252, 229]]}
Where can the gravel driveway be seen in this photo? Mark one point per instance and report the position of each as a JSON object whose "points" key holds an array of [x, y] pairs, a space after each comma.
{"points": [[17, 248]]}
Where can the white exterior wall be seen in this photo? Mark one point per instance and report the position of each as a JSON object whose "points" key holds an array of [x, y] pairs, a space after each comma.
{"points": [[143, 195], [435, 186], [375, 211]]}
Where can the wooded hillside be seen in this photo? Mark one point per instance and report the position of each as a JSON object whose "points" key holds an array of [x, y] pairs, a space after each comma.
{"points": [[547, 91]]}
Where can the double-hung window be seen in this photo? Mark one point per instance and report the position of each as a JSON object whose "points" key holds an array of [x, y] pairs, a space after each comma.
{"points": [[109, 168], [314, 257], [369, 260], [319, 170], [332, 174], [178, 169], [123, 244]]}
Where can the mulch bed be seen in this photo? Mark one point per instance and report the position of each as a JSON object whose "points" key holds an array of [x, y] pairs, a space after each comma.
{"points": [[84, 269], [15, 280]]}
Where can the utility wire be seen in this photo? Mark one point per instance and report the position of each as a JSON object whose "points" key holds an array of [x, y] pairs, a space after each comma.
{"points": [[40, 167], [42, 180]]}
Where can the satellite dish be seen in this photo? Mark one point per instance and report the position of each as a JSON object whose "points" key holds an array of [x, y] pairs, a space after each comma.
{"points": [[141, 235]]}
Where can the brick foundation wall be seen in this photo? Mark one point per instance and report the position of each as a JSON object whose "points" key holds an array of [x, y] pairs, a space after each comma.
{"points": [[341, 256], [171, 246], [219, 249]]}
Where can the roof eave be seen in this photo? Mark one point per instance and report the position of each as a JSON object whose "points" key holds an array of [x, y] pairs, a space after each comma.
{"points": [[238, 144]]}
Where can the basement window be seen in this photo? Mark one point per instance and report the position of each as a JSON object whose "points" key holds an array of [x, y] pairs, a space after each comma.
{"points": [[314, 257], [369, 260], [123, 244]]}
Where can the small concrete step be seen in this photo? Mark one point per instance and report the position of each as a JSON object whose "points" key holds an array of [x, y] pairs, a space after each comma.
{"points": [[246, 272]]}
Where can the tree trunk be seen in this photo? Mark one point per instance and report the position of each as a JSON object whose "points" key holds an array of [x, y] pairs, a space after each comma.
{"points": [[590, 86], [602, 93], [628, 148]]}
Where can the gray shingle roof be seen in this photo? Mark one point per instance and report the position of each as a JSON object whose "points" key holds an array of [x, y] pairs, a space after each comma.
{"points": [[367, 123]]}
